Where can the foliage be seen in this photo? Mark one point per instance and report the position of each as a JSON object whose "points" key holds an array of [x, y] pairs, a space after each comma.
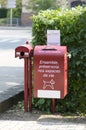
{"points": [[72, 24], [3, 10], [16, 11], [2, 21], [3, 13], [62, 3], [77, 3], [42, 104], [19, 106], [3, 3], [37, 5]]}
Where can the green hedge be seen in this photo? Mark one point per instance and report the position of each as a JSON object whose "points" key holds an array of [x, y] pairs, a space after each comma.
{"points": [[72, 24], [3, 13]]}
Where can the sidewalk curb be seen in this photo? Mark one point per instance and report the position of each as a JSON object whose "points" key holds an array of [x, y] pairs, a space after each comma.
{"points": [[16, 28], [8, 101]]}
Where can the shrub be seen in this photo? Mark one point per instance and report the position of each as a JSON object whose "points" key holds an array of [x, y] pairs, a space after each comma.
{"points": [[72, 25], [3, 13]]}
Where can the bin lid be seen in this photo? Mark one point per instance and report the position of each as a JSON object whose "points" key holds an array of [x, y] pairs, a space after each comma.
{"points": [[50, 50]]}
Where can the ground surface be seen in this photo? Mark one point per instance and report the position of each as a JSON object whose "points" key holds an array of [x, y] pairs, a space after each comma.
{"points": [[16, 113]]}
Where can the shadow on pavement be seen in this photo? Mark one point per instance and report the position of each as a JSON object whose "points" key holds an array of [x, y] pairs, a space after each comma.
{"points": [[11, 86], [21, 116]]}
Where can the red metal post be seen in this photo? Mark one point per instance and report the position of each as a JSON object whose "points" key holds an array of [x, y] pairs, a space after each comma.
{"points": [[26, 84], [53, 105], [30, 86]]}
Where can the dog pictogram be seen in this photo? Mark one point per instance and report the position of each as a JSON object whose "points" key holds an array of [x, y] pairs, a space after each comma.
{"points": [[48, 84]]}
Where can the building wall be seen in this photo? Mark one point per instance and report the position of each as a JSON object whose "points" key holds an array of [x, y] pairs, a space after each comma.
{"points": [[25, 19], [26, 14]]}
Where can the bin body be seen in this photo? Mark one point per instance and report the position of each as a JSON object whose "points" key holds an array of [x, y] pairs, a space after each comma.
{"points": [[50, 72]]}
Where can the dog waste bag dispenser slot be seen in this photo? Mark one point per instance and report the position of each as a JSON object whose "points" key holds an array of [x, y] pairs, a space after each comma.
{"points": [[23, 51], [50, 72]]}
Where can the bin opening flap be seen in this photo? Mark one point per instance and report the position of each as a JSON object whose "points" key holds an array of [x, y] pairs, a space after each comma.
{"points": [[49, 49]]}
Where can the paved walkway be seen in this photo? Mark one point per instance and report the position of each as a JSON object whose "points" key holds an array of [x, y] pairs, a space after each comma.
{"points": [[33, 125], [11, 83], [11, 68], [18, 120]]}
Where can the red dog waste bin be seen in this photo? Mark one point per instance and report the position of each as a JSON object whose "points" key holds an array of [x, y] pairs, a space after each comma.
{"points": [[50, 72]]}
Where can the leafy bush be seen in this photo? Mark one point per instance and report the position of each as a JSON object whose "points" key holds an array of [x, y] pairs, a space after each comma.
{"points": [[3, 21], [72, 24], [3, 13], [16, 13]]}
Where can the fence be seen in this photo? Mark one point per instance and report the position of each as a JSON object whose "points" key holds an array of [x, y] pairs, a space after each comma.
{"points": [[10, 22]]}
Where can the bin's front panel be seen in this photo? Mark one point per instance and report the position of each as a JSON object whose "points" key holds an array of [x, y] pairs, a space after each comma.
{"points": [[49, 72]]}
